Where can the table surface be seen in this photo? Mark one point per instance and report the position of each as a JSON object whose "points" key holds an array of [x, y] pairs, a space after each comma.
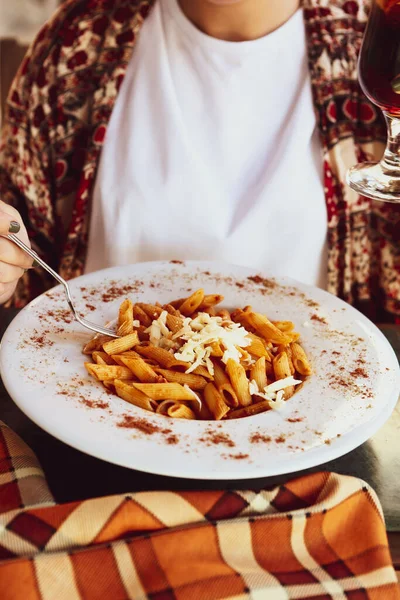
{"points": [[73, 475]]}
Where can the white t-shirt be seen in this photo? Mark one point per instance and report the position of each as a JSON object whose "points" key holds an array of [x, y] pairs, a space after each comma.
{"points": [[212, 153]]}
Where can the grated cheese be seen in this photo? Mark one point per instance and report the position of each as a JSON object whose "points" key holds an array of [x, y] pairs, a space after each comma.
{"points": [[199, 333], [274, 392], [159, 333]]}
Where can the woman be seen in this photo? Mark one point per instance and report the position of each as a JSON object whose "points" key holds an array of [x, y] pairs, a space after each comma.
{"points": [[229, 127]]}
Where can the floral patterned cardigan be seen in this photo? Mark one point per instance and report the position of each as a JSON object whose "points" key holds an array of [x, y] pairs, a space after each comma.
{"points": [[60, 104]]}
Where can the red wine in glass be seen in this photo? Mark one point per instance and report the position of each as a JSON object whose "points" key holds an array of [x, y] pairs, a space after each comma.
{"points": [[379, 75], [379, 68]]}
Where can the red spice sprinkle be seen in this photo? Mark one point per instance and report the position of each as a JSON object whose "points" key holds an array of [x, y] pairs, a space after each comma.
{"points": [[238, 456], [267, 283], [336, 353], [218, 438], [359, 373], [93, 403], [172, 439], [90, 307], [295, 420], [115, 291], [239, 285], [140, 424], [315, 317], [312, 303], [176, 262], [280, 440], [256, 438]]}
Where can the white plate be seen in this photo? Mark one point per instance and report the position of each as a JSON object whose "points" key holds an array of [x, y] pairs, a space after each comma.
{"points": [[352, 392]]}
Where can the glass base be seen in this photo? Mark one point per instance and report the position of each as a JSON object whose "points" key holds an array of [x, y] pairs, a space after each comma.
{"points": [[370, 180]]}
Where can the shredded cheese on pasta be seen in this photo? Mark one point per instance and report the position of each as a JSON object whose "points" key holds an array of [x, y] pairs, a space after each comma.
{"points": [[204, 330], [274, 392]]}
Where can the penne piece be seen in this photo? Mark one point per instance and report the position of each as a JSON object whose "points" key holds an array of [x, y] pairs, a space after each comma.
{"points": [[96, 343], [215, 402], [151, 310], [258, 373], [125, 318], [130, 394], [162, 357], [248, 411], [281, 366], [195, 382], [209, 301], [140, 369], [300, 360], [239, 381], [165, 391], [102, 358], [266, 329], [106, 372], [121, 344], [191, 304], [180, 411], [140, 315]]}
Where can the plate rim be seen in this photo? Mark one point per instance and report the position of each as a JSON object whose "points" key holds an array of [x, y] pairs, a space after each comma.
{"points": [[309, 460]]}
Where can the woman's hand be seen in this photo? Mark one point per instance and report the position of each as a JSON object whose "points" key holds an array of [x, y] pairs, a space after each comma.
{"points": [[13, 261]]}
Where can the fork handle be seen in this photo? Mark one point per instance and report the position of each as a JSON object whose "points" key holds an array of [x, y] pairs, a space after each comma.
{"points": [[13, 238]]}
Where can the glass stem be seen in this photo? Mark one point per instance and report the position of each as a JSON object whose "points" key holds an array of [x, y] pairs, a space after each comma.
{"points": [[391, 159]]}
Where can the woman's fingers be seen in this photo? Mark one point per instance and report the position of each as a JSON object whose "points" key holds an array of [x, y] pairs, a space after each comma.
{"points": [[12, 255], [6, 291], [8, 223], [9, 273], [13, 261]]}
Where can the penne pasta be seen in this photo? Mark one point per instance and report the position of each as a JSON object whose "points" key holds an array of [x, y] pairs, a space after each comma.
{"points": [[215, 402], [281, 366], [258, 373], [224, 314], [122, 344], [96, 343], [162, 357], [165, 391], [216, 350], [284, 326], [224, 386], [248, 411], [266, 329], [172, 311], [191, 304], [300, 360], [209, 301], [151, 310], [125, 318], [195, 382], [104, 372], [140, 369], [257, 347], [239, 381], [102, 358], [140, 315], [188, 360], [180, 411], [174, 323], [134, 396]]}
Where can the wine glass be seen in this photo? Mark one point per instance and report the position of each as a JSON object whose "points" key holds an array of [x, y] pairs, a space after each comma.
{"points": [[379, 75]]}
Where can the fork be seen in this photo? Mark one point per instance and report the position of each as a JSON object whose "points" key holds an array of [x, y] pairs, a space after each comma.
{"points": [[92, 326]]}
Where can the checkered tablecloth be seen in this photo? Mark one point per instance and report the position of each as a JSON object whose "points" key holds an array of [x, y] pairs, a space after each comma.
{"points": [[319, 536]]}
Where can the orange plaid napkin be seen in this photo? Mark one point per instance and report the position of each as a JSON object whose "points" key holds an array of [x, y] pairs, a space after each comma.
{"points": [[320, 536]]}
